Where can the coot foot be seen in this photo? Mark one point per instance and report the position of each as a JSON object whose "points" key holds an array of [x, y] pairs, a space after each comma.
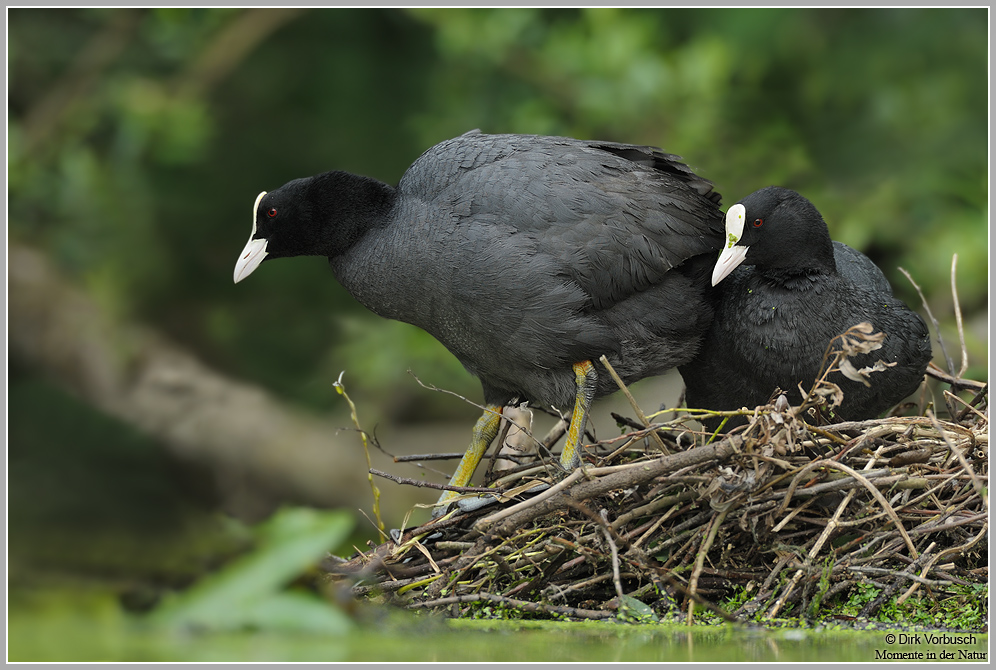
{"points": [[486, 430]]}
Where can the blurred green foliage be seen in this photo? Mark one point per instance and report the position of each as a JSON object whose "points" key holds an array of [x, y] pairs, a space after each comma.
{"points": [[138, 176], [251, 592]]}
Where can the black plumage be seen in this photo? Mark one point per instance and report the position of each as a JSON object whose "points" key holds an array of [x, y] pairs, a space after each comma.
{"points": [[776, 314], [524, 255]]}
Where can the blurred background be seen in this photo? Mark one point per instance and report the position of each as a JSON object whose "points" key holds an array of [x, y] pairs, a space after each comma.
{"points": [[153, 404]]}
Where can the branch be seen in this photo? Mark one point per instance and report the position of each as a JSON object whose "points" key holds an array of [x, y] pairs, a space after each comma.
{"points": [[256, 444], [231, 46], [103, 49], [627, 478]]}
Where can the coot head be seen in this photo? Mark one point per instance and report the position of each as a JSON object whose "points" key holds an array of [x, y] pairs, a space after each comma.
{"points": [[779, 232], [315, 216]]}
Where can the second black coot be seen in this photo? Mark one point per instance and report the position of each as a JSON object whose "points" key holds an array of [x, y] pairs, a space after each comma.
{"points": [[784, 291], [528, 257]]}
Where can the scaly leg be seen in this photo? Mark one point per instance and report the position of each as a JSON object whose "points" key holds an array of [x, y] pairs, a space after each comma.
{"points": [[585, 377], [485, 430]]}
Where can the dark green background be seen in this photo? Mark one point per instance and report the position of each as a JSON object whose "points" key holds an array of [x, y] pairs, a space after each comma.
{"points": [[878, 116], [141, 192]]}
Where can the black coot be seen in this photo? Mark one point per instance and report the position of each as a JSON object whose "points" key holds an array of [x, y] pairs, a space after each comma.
{"points": [[776, 314], [528, 257]]}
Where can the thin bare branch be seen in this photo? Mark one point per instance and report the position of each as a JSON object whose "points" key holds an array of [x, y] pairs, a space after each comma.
{"points": [[957, 312], [933, 320]]}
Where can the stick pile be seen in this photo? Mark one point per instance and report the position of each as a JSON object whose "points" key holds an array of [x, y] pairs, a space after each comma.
{"points": [[783, 513]]}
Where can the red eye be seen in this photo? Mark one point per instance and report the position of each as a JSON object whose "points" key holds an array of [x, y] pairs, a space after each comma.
{"points": [[272, 212], [757, 222]]}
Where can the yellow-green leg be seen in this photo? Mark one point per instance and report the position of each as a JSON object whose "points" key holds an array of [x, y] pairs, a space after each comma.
{"points": [[585, 377], [485, 430]]}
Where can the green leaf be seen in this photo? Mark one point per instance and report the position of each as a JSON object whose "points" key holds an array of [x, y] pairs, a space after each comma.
{"points": [[248, 593], [631, 609], [295, 611]]}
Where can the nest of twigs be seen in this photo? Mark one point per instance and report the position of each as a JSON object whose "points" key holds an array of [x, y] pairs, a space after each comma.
{"points": [[669, 520], [792, 512]]}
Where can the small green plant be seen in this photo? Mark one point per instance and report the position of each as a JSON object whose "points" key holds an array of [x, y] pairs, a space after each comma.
{"points": [[740, 596], [957, 607], [862, 594]]}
